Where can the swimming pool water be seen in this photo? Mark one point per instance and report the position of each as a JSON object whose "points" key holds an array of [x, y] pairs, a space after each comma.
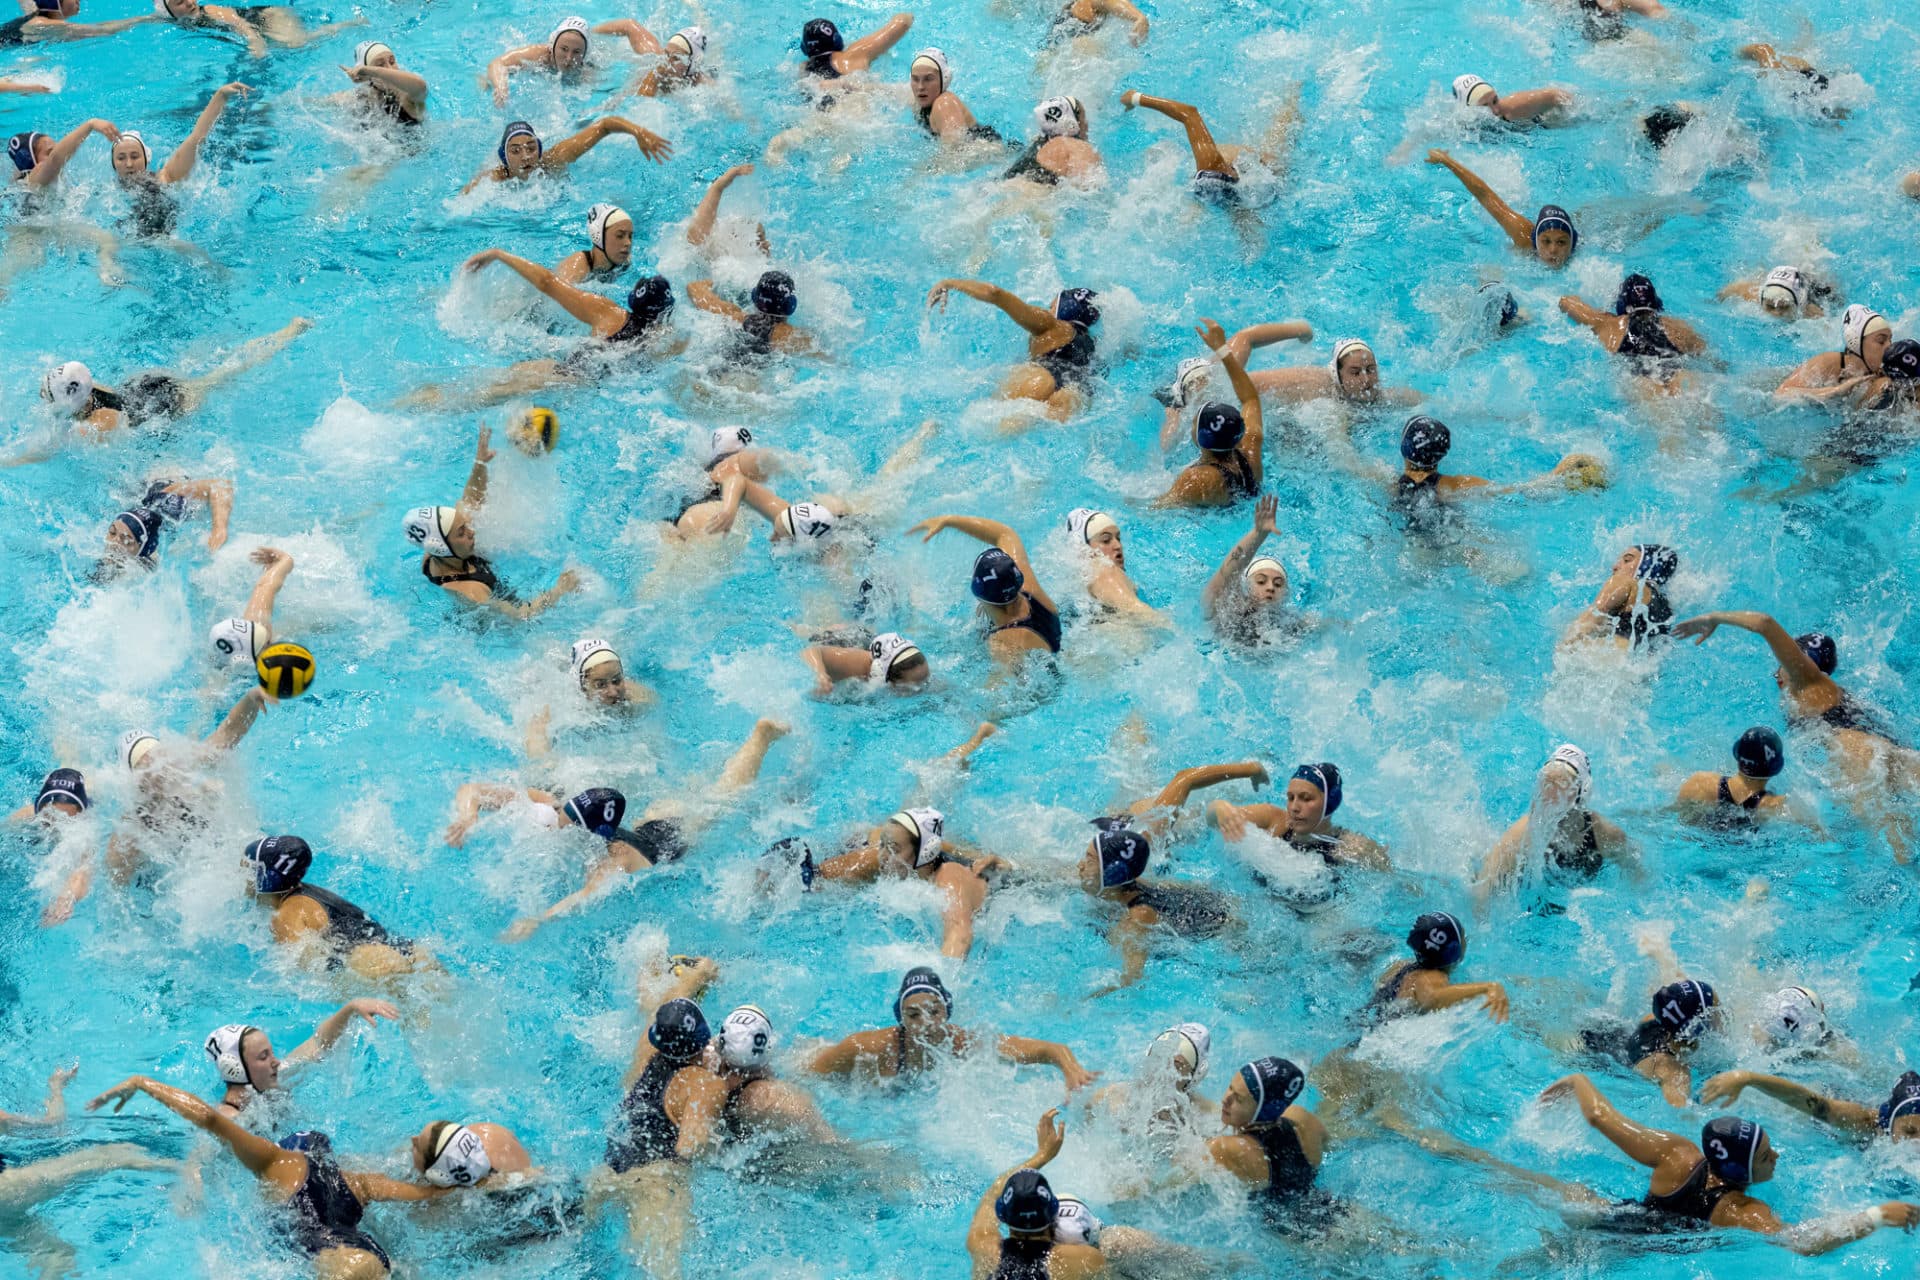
{"points": [[1434, 686]]}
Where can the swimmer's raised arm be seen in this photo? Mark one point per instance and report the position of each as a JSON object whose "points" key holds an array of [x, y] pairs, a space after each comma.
{"points": [[1240, 555], [1029, 317], [995, 534], [639, 39], [1253, 444], [276, 565], [238, 721], [507, 63], [84, 30], [700, 226], [474, 496], [181, 162], [1648, 1146], [861, 53], [335, 1024], [1127, 13], [567, 150], [44, 173], [1429, 989], [1245, 341], [588, 308], [983, 1233], [701, 294], [1046, 1053], [1581, 313], [1518, 227], [56, 1109], [475, 798], [1188, 781], [1851, 1117], [1800, 669], [258, 1154], [408, 86], [218, 495]]}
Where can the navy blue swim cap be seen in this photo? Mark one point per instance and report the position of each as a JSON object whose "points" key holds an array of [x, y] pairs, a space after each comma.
{"points": [[1730, 1144], [1274, 1084], [1903, 1101], [1219, 427], [1075, 306], [1902, 360], [20, 150], [679, 1031], [1123, 853], [996, 577], [279, 863], [1437, 940], [63, 784], [144, 523], [1509, 305], [1425, 441], [1027, 1203], [1663, 122], [1820, 650], [919, 980], [1657, 563], [1554, 218], [1326, 778], [1680, 1005], [599, 810], [517, 129], [650, 301], [773, 295], [1636, 294], [820, 36], [311, 1141], [1759, 753]]}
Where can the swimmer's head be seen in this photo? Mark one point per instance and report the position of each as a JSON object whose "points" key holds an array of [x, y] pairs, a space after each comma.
{"points": [[308, 1142], [1902, 361], [597, 667], [610, 230], [1649, 562], [177, 10], [1097, 532], [650, 302], [28, 151], [912, 838], [1265, 580], [1026, 1205], [923, 1004], [679, 1031], [724, 442], [1794, 1018], [1075, 1223], [929, 76], [1820, 650], [1261, 1092], [1566, 777], [1061, 117], [62, 792], [1183, 1049], [805, 523], [1076, 307], [1865, 333], [520, 149], [244, 1055], [567, 46], [1474, 91], [1636, 294], [136, 747], [1758, 753], [1219, 428], [374, 53], [1356, 372], [686, 49], [68, 387], [1437, 940], [896, 660], [1116, 856], [997, 578], [598, 809], [447, 1154], [1313, 794], [1188, 377], [1900, 1113], [819, 37], [1785, 290], [239, 639], [746, 1038], [432, 530], [773, 295], [1498, 305], [1554, 238], [1424, 443], [1738, 1152], [1663, 122], [135, 533], [280, 863], [130, 154], [1685, 1008]]}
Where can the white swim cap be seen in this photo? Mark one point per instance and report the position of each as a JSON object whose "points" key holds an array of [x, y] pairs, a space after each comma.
{"points": [[926, 826], [223, 1046], [459, 1158], [545, 815], [888, 650], [807, 520], [427, 527], [939, 60], [1263, 562], [1344, 348], [589, 653], [236, 639], [146, 152], [1058, 117], [1075, 1223], [69, 386], [1188, 377], [1575, 759], [1784, 286], [1087, 524], [746, 1037], [135, 746], [725, 442], [566, 25], [1856, 322], [692, 42], [1188, 1044], [600, 220], [364, 51], [1794, 1016], [1473, 91]]}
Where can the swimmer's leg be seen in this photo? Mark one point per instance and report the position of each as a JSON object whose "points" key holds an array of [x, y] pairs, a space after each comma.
{"points": [[283, 26], [376, 960], [23, 1186], [348, 1264], [736, 776], [521, 379], [1207, 156], [1439, 1143], [659, 1205], [251, 355], [1276, 147]]}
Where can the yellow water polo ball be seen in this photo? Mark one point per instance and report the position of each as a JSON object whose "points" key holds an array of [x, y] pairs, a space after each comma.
{"points": [[285, 670], [536, 430]]}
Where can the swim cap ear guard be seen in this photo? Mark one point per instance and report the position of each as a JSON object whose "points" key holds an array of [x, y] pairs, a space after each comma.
{"points": [[1657, 563], [1759, 754], [1904, 1100], [820, 36], [679, 1031], [1820, 650], [806, 521], [311, 1141], [1123, 853], [996, 577], [1663, 122], [917, 980], [133, 135], [135, 746], [1274, 1084], [1730, 1145], [587, 653], [1856, 322], [224, 1047], [1786, 288], [1189, 376], [280, 863], [724, 442], [746, 1037], [773, 295], [1680, 1005], [63, 785], [692, 45], [68, 386], [600, 220], [459, 1158], [577, 26], [1075, 1223], [599, 810], [1075, 306], [144, 523], [518, 129], [1499, 305], [1026, 1203], [1437, 940], [888, 650], [1554, 218], [1326, 779], [1059, 118], [650, 301], [426, 528], [1425, 442], [1636, 294], [20, 149], [926, 827], [363, 54], [235, 639], [1582, 769], [1902, 361], [1219, 428], [1189, 1044], [1473, 91]]}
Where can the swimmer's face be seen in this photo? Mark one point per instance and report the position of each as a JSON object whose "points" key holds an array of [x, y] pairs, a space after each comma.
{"points": [[605, 683], [383, 58], [1090, 868], [58, 809], [1558, 784], [1237, 1107], [1629, 561], [1553, 248], [523, 153], [569, 51], [1359, 376], [1778, 303], [129, 157], [1306, 805], [619, 242], [263, 1068], [178, 9], [1266, 586], [1106, 543], [926, 83], [120, 541], [1764, 1159], [1905, 1127], [924, 1016], [1873, 348], [460, 537]]}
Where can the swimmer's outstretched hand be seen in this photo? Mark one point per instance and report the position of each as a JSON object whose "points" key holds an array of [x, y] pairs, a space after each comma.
{"points": [[1495, 998], [1437, 156], [1266, 513], [119, 1095], [937, 296], [480, 259], [652, 145], [931, 527], [1564, 1087], [1231, 822], [1052, 1135], [482, 450], [230, 90], [266, 557], [371, 1010], [1696, 629], [1211, 333], [521, 929], [1724, 1088]]}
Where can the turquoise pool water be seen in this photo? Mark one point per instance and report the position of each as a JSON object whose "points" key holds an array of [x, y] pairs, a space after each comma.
{"points": [[1435, 686]]}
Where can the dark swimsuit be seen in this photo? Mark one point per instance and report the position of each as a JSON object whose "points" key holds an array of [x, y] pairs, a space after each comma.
{"points": [[657, 840], [478, 569], [1692, 1199], [1040, 620], [1235, 472], [1631, 1047], [1023, 1259], [1642, 623], [712, 494], [1385, 1000], [155, 210], [645, 1134], [347, 925], [1734, 815], [1189, 910], [1027, 165], [983, 132], [1217, 187], [1072, 364], [389, 104], [1421, 511], [1847, 714], [15, 32], [144, 397], [1290, 1203], [1579, 856], [1647, 345], [593, 273], [1067, 25], [326, 1213], [1598, 25]]}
